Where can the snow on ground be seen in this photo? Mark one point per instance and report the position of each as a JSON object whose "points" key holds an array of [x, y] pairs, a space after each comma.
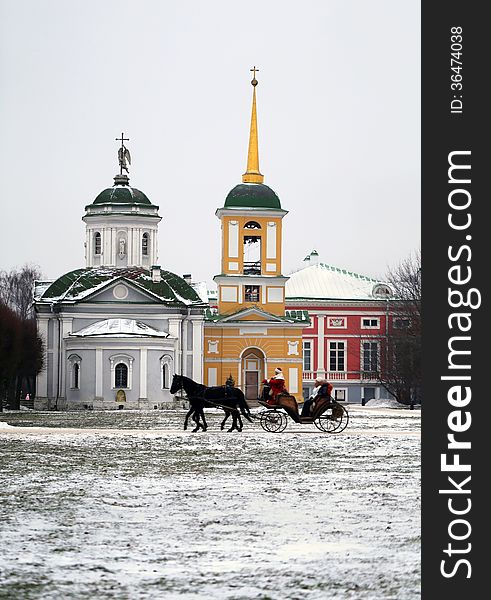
{"points": [[126, 505]]}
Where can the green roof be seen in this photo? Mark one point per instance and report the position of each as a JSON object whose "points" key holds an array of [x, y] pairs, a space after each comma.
{"points": [[252, 195], [76, 285], [122, 194]]}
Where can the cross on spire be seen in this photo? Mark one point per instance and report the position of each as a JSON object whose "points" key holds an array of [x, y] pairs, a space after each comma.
{"points": [[122, 139], [253, 71]]}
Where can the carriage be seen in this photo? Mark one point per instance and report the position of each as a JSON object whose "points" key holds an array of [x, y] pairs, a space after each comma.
{"points": [[328, 415]]}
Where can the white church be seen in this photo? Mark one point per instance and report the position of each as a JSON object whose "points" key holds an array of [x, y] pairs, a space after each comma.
{"points": [[116, 330]]}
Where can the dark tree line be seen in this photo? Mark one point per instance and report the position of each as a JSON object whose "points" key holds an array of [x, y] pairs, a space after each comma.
{"points": [[21, 349], [400, 372]]}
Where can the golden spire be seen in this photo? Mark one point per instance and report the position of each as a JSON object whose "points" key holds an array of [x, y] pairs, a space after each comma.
{"points": [[252, 174]]}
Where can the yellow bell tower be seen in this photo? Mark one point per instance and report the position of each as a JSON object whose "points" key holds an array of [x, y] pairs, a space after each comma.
{"points": [[251, 239], [250, 335]]}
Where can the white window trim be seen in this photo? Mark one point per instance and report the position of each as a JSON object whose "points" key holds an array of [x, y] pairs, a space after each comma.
{"points": [[73, 360], [362, 353], [345, 342], [340, 389], [96, 234], [126, 360], [145, 235], [311, 342], [165, 360], [377, 326]]}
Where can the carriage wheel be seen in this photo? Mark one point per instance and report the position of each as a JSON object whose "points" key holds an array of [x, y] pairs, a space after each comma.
{"points": [[334, 420], [273, 421]]}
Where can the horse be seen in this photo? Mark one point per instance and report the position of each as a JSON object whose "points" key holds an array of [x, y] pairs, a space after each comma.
{"points": [[230, 399]]}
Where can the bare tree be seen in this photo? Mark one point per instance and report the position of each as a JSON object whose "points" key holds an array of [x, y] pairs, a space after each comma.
{"points": [[17, 289], [400, 371], [21, 349]]}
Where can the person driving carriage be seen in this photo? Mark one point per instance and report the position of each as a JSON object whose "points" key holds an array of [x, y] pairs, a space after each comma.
{"points": [[274, 386], [322, 389]]}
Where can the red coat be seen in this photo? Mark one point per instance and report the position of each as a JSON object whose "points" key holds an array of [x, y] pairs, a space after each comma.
{"points": [[277, 386]]}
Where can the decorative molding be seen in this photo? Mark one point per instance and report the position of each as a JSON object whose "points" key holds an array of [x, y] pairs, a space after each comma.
{"points": [[292, 348]]}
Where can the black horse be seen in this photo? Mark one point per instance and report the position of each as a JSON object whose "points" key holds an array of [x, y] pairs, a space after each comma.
{"points": [[230, 399]]}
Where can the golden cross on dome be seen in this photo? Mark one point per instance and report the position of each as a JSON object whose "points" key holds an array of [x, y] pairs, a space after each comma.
{"points": [[254, 71]]}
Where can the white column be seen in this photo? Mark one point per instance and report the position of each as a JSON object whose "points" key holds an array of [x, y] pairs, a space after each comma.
{"points": [[134, 233], [271, 240], [233, 239], [175, 331], [99, 373], [198, 350], [185, 348], [42, 378], [320, 346], [56, 355], [66, 329], [113, 246], [89, 247], [143, 372], [154, 253]]}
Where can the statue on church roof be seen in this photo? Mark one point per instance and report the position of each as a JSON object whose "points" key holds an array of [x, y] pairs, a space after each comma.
{"points": [[124, 156]]}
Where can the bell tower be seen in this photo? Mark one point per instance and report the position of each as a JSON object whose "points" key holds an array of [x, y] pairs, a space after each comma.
{"points": [[250, 335], [251, 222]]}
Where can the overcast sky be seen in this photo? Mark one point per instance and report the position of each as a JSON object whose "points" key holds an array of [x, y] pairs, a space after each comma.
{"points": [[338, 113]]}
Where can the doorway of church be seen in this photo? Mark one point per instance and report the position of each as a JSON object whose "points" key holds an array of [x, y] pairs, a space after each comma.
{"points": [[252, 369]]}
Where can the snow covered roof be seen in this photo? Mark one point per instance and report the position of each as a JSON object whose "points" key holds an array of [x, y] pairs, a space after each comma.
{"points": [[119, 328], [40, 287], [324, 282], [77, 285]]}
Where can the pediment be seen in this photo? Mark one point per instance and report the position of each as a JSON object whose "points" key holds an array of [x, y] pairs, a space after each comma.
{"points": [[252, 314], [123, 291]]}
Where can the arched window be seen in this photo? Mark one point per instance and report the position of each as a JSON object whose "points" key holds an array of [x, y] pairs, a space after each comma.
{"points": [[74, 366], [76, 376], [121, 376], [97, 243], [252, 225], [145, 244], [165, 371], [165, 376]]}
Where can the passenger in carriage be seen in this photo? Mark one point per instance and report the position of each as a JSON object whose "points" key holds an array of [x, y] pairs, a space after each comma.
{"points": [[276, 385], [322, 389]]}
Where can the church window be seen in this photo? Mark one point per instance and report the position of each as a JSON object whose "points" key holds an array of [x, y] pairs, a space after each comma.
{"points": [[145, 244], [76, 375], [165, 376], [165, 371], [121, 376], [74, 362], [251, 293], [252, 225], [97, 243]]}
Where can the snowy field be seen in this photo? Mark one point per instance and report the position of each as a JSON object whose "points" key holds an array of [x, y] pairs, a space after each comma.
{"points": [[126, 505]]}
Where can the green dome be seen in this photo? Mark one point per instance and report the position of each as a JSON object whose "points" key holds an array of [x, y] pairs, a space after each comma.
{"points": [[122, 194], [252, 195]]}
